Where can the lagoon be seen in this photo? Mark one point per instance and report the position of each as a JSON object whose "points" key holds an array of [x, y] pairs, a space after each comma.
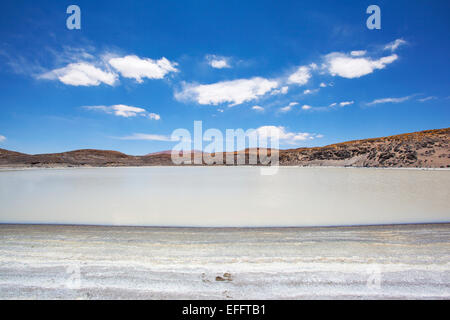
{"points": [[224, 196]]}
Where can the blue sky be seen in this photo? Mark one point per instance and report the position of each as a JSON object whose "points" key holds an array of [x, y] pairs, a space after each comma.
{"points": [[137, 70]]}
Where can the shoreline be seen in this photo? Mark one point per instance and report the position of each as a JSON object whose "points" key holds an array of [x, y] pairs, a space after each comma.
{"points": [[216, 166], [230, 228]]}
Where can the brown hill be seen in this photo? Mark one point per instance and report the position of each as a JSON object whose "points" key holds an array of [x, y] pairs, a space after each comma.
{"points": [[427, 149]]}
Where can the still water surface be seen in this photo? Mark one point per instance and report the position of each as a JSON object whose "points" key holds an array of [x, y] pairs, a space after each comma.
{"points": [[224, 196]]}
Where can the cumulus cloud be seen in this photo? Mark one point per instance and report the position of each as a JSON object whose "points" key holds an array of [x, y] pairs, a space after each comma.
{"points": [[233, 92], [218, 62], [87, 66], [284, 135], [132, 66], [125, 111], [258, 108], [2, 138], [343, 65], [388, 100], [306, 107], [288, 107], [345, 103], [81, 74], [392, 46], [323, 85], [301, 76]]}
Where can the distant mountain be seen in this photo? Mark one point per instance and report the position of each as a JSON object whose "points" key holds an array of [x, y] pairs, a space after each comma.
{"points": [[159, 152], [170, 152], [427, 149]]}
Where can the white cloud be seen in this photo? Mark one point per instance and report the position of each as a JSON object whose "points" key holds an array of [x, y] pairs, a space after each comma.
{"points": [[284, 135], [2, 138], [234, 92], [427, 98], [154, 116], [70, 54], [394, 45], [301, 76], [388, 100], [218, 62], [349, 67], [329, 108], [310, 91], [263, 132], [358, 53], [132, 66], [282, 90], [81, 74], [346, 103], [32, 64], [144, 136], [125, 111], [288, 107], [323, 85], [258, 108]]}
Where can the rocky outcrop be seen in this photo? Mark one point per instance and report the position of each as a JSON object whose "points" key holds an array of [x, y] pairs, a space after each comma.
{"points": [[226, 277], [428, 149]]}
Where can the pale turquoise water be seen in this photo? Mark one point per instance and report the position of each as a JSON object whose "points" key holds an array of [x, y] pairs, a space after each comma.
{"points": [[224, 196]]}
